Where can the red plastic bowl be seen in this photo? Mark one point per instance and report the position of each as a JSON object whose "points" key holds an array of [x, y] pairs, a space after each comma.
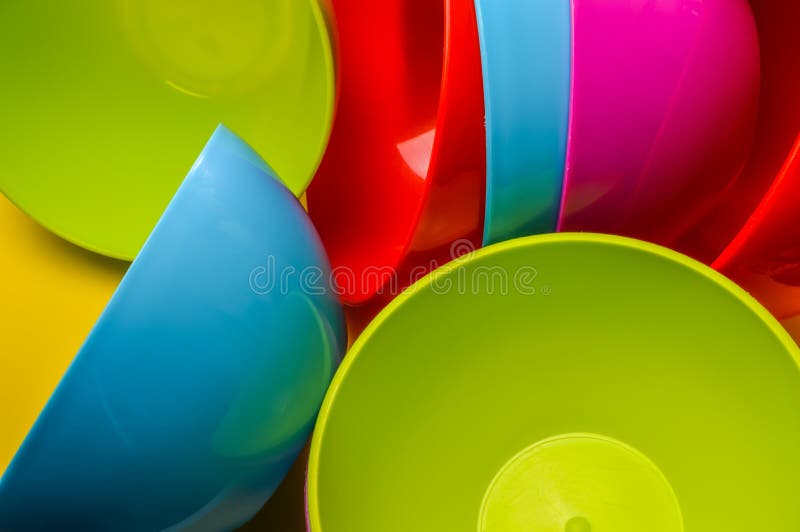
{"points": [[764, 258], [777, 128], [401, 186], [760, 217]]}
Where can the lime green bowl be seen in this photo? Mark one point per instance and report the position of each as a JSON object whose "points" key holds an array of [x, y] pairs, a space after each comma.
{"points": [[106, 103], [563, 383]]}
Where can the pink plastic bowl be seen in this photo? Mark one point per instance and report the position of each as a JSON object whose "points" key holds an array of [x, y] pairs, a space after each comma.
{"points": [[664, 100]]}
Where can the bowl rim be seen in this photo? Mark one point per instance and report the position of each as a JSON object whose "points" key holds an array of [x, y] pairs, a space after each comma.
{"points": [[766, 210], [325, 31]]}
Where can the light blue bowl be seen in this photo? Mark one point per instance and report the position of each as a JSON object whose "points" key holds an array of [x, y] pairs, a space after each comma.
{"points": [[200, 382], [526, 57]]}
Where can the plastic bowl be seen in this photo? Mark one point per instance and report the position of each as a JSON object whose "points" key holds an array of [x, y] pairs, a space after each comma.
{"points": [[104, 102], [199, 384], [46, 284], [764, 258], [776, 133], [526, 48], [612, 385], [403, 176], [664, 100]]}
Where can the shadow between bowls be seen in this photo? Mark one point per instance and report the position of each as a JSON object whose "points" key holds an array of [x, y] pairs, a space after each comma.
{"points": [[198, 386], [403, 175]]}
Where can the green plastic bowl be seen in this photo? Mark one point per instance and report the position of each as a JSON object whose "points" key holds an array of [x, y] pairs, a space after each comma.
{"points": [[106, 103], [611, 386]]}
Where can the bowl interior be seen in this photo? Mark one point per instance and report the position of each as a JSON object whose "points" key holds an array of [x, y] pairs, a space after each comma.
{"points": [[105, 102], [632, 344]]}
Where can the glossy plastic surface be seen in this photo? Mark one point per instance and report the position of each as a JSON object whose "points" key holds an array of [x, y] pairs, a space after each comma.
{"points": [[776, 133], [764, 258], [403, 175], [603, 477], [46, 284], [526, 52], [690, 384], [199, 384], [103, 103], [664, 101]]}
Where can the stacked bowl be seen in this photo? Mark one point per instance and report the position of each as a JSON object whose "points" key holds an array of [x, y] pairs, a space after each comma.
{"points": [[600, 115]]}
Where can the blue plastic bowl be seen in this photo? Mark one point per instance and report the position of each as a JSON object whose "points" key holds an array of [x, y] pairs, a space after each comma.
{"points": [[526, 49], [200, 382]]}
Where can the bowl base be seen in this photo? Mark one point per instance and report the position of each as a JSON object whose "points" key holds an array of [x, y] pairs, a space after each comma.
{"points": [[580, 483]]}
